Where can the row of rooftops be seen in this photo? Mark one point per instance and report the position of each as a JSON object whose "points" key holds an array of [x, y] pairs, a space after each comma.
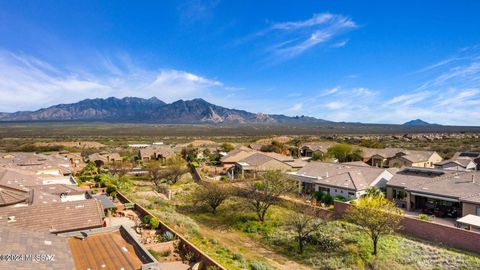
{"points": [[48, 214], [463, 186]]}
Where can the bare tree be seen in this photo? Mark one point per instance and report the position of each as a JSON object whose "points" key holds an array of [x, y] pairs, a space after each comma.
{"points": [[120, 168], [304, 221], [212, 195], [265, 192]]}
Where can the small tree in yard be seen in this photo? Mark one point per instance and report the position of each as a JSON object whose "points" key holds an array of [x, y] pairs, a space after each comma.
{"points": [[155, 173], [175, 167], [265, 192], [304, 222], [376, 215], [373, 192], [212, 195]]}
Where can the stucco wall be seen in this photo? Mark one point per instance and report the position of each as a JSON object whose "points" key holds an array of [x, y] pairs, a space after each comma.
{"points": [[469, 208]]}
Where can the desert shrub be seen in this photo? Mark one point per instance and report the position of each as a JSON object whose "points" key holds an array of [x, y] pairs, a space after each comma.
{"points": [[318, 195], [424, 217], [340, 198], [324, 242], [146, 219], [166, 253], [237, 257], [258, 266], [327, 199], [190, 256], [168, 236], [155, 253], [154, 222]]}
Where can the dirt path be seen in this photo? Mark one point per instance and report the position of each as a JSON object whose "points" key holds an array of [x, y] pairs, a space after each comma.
{"points": [[249, 247]]}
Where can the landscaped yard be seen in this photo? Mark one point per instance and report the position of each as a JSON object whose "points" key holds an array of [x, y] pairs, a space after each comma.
{"points": [[234, 237]]}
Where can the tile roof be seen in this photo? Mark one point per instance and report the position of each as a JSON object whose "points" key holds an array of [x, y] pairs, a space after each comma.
{"points": [[256, 159], [10, 196], [354, 177], [109, 248], [318, 146], [458, 185], [236, 155], [54, 217], [163, 150], [20, 241]]}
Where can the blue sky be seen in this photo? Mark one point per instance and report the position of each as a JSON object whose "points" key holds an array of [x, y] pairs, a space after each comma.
{"points": [[372, 61]]}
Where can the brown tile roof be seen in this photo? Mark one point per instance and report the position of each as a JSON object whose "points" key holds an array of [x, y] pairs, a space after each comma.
{"points": [[279, 157], [458, 185], [108, 248], [385, 153], [354, 177], [157, 150], [256, 159], [20, 241], [10, 196], [318, 146], [417, 156], [236, 155], [54, 217]]}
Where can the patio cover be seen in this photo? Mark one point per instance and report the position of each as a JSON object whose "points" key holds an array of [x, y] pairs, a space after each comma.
{"points": [[471, 220], [106, 202]]}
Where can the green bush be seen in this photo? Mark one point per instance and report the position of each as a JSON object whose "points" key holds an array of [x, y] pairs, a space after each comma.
{"points": [[318, 195], [340, 198], [146, 219], [237, 257], [166, 253], [327, 199], [168, 236], [258, 266], [154, 222], [424, 217], [324, 242]]}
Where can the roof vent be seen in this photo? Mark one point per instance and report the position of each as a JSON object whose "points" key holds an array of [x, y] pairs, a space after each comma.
{"points": [[11, 219]]}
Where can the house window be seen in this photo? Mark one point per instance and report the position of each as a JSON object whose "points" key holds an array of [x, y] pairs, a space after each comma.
{"points": [[336, 190], [399, 194], [478, 211], [351, 194], [341, 191]]}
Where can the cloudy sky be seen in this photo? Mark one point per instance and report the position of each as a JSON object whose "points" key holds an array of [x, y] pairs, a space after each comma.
{"points": [[375, 62]]}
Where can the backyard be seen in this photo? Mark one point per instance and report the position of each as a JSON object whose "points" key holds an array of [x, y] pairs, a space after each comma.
{"points": [[236, 239]]}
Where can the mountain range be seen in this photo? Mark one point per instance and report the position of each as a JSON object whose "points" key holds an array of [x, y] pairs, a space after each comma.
{"points": [[152, 110]]}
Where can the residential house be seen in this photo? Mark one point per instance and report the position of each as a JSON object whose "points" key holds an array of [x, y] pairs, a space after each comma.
{"points": [[234, 156], [475, 156], [442, 193], [105, 158], [457, 164], [260, 162], [38, 163], [347, 180], [378, 157], [156, 152], [415, 158], [309, 148]]}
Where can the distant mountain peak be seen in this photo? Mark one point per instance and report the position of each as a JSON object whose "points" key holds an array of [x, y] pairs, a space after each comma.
{"points": [[151, 110], [417, 122]]}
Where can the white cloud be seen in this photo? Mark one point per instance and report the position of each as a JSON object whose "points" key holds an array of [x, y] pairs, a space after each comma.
{"points": [[335, 105], [294, 38], [171, 85], [296, 107], [408, 99], [28, 83]]}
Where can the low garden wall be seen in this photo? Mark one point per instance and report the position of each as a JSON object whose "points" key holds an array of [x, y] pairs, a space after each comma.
{"points": [[207, 260], [430, 231]]}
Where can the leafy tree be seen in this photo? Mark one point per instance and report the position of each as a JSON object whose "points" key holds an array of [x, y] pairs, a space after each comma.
{"points": [[345, 152], [212, 195], [226, 147], [155, 172], [373, 192], [175, 167], [376, 215], [189, 153], [296, 142], [90, 169], [304, 222], [265, 192]]}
